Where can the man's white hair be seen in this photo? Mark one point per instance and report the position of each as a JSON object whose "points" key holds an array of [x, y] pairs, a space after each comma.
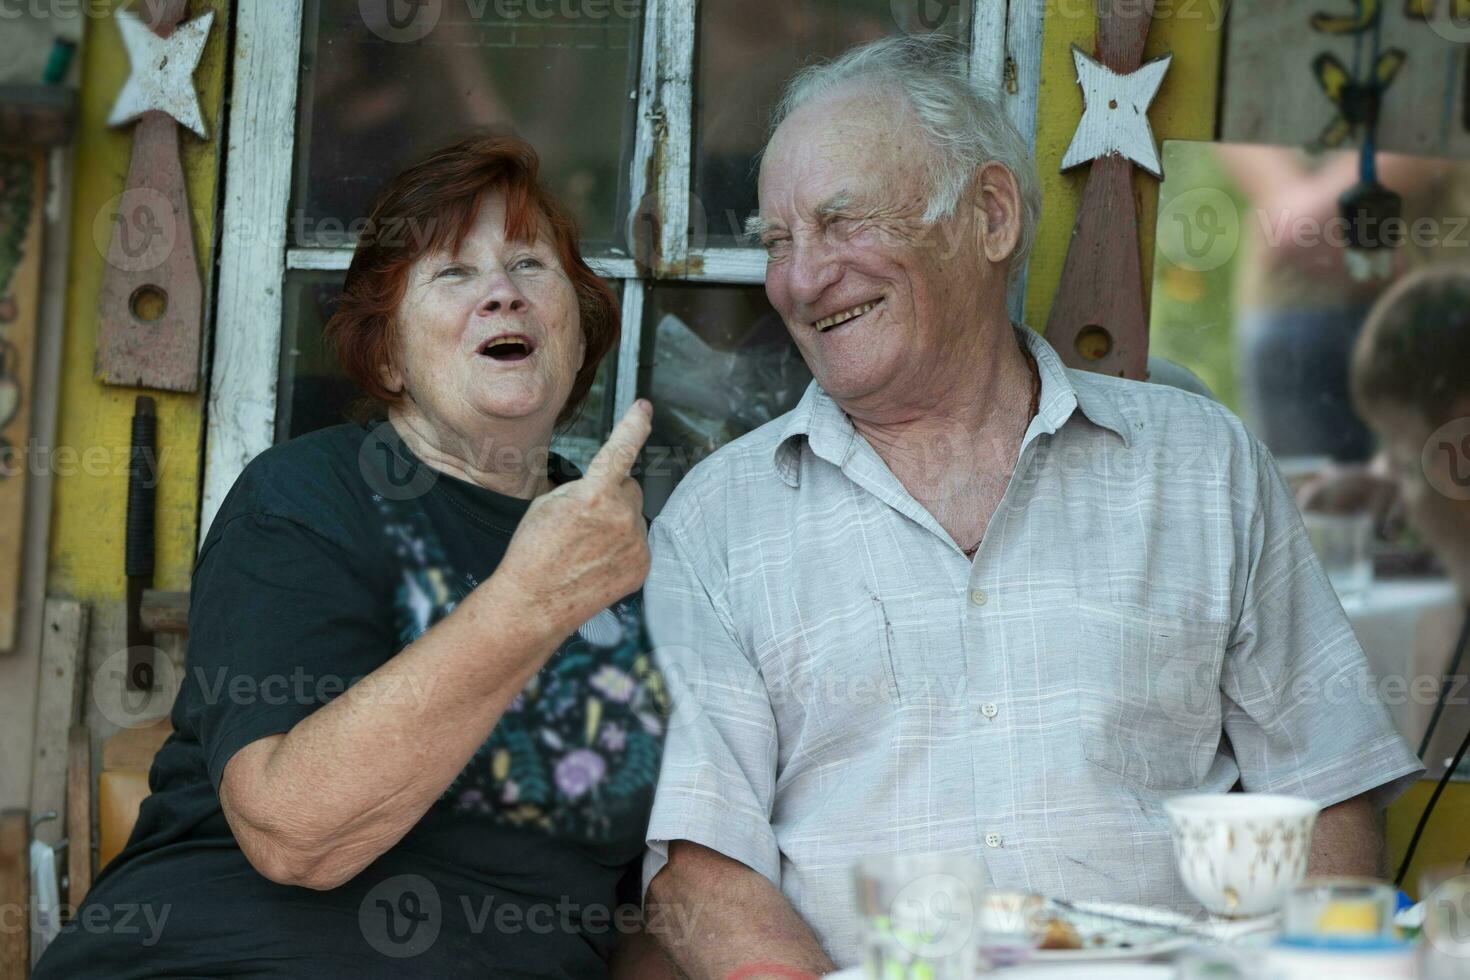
{"points": [[963, 126]]}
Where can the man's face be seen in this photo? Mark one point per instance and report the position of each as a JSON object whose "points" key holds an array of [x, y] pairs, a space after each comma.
{"points": [[874, 299]]}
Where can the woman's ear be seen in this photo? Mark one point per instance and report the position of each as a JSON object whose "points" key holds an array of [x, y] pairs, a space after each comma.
{"points": [[997, 198], [391, 377]]}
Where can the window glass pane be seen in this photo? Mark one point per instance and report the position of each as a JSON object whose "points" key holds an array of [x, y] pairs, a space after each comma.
{"points": [[717, 362], [314, 393], [377, 93], [746, 50]]}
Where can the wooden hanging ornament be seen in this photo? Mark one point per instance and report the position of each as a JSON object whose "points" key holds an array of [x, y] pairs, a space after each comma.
{"points": [[151, 301], [1098, 321]]}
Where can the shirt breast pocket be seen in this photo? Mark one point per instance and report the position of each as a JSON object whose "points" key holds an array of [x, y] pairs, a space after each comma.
{"points": [[832, 662], [1148, 693]]}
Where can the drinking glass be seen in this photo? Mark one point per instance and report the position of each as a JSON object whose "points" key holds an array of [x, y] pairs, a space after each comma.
{"points": [[1341, 542], [920, 915], [1444, 945]]}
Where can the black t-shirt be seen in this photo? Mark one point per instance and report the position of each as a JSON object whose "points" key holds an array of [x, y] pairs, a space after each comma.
{"points": [[331, 553]]}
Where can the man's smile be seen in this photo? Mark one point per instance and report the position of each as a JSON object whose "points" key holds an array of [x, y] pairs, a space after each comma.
{"points": [[837, 319]]}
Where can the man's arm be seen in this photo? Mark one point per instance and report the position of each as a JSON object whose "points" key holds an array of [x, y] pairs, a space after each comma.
{"points": [[1348, 840], [716, 917]]}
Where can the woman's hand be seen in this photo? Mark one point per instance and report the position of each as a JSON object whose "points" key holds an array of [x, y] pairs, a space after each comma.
{"points": [[584, 545]]}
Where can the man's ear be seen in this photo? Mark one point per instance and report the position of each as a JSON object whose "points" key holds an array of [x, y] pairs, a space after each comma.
{"points": [[996, 197]]}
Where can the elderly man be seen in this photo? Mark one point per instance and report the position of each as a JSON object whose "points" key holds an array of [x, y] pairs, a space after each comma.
{"points": [[963, 599]]}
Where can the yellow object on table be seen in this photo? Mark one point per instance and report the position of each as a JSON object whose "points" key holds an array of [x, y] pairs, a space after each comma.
{"points": [[1350, 917]]}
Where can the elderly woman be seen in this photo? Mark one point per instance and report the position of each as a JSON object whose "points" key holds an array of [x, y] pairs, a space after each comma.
{"points": [[418, 733]]}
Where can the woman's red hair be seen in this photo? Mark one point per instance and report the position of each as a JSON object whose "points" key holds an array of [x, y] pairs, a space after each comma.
{"points": [[431, 206]]}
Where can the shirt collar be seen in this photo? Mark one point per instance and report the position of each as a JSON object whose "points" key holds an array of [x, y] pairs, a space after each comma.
{"points": [[830, 433]]}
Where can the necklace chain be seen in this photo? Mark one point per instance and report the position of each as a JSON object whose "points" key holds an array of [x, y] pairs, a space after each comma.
{"points": [[1034, 409]]}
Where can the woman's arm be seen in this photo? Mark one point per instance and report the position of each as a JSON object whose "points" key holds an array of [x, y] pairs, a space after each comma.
{"points": [[316, 805]]}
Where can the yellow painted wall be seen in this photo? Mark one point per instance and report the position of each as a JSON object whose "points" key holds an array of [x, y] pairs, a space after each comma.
{"points": [[1183, 109], [86, 555], [1445, 843]]}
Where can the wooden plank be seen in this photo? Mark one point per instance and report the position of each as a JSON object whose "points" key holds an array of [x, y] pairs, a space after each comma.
{"points": [[659, 177], [1010, 32], [22, 195], [134, 748], [78, 815], [676, 82], [745, 266], [37, 115], [1184, 109], [247, 336], [164, 612], [15, 892], [1272, 94], [625, 387], [1098, 321], [150, 306], [58, 708]]}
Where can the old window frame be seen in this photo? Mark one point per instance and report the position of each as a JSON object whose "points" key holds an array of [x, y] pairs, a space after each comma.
{"points": [[256, 254]]}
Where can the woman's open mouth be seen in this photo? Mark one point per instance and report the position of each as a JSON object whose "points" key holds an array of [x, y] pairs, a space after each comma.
{"points": [[846, 316], [508, 347]]}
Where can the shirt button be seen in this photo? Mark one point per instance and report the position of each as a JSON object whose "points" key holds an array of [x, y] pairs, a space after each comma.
{"points": [[989, 709], [979, 598], [992, 840]]}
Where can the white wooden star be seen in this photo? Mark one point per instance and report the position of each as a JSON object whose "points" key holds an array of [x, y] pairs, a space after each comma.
{"points": [[1115, 113], [163, 71]]}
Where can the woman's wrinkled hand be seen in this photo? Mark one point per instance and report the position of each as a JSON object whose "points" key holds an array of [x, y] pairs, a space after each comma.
{"points": [[584, 545]]}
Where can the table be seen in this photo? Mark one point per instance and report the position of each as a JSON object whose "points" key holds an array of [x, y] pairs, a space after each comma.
{"points": [[1407, 628]]}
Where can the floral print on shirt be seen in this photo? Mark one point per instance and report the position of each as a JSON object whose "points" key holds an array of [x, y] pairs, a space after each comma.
{"points": [[577, 751]]}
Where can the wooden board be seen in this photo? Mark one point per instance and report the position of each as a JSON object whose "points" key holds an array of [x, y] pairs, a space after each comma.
{"points": [[58, 709], [15, 891], [1272, 93], [134, 748], [79, 815], [1099, 321], [22, 189], [1183, 109], [150, 306], [247, 326]]}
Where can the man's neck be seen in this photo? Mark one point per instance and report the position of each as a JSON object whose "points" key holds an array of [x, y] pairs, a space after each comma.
{"points": [[971, 410]]}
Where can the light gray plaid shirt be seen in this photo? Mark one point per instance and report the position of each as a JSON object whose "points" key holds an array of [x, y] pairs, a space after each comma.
{"points": [[1144, 618]]}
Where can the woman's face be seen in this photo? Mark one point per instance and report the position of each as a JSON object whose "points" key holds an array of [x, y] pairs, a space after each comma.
{"points": [[489, 335]]}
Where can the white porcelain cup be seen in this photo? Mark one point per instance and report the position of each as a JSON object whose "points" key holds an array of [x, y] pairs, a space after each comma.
{"points": [[1241, 854]]}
